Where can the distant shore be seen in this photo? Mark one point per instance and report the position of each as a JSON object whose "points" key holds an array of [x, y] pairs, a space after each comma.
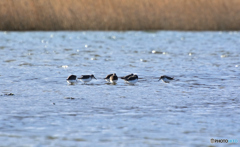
{"points": [[22, 15]]}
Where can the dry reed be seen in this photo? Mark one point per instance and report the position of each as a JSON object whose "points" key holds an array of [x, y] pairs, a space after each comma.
{"points": [[119, 14]]}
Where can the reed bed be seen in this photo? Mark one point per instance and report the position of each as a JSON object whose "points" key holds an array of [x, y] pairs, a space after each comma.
{"points": [[119, 15]]}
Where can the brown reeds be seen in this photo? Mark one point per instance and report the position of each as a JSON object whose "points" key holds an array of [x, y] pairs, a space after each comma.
{"points": [[119, 14]]}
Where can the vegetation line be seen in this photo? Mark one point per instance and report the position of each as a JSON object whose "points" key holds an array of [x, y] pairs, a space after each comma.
{"points": [[119, 15]]}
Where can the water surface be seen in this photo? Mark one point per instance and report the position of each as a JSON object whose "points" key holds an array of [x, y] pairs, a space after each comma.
{"points": [[201, 103]]}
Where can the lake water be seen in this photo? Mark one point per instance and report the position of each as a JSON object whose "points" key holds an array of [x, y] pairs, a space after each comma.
{"points": [[200, 104]]}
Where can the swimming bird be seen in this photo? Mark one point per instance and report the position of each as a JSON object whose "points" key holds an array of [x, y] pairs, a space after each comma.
{"points": [[113, 78], [165, 79], [72, 79], [108, 77], [127, 76], [132, 79], [86, 78]]}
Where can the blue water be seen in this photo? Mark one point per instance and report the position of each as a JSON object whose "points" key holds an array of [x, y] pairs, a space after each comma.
{"points": [[201, 103]]}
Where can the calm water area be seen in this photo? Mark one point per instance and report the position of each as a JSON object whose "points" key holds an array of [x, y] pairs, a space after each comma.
{"points": [[201, 103]]}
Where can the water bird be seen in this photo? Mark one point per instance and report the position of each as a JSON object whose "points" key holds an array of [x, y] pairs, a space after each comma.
{"points": [[86, 78], [108, 77], [132, 79], [165, 79], [72, 79], [113, 78], [127, 76]]}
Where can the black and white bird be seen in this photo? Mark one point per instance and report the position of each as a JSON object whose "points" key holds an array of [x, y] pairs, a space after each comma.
{"points": [[165, 79], [132, 79], [127, 76], [113, 79], [86, 78], [72, 79], [108, 77]]}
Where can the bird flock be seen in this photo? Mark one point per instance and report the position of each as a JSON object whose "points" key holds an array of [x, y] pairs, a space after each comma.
{"points": [[113, 78]]}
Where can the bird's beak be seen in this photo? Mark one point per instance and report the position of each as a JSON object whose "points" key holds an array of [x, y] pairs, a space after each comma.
{"points": [[159, 79], [94, 78]]}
